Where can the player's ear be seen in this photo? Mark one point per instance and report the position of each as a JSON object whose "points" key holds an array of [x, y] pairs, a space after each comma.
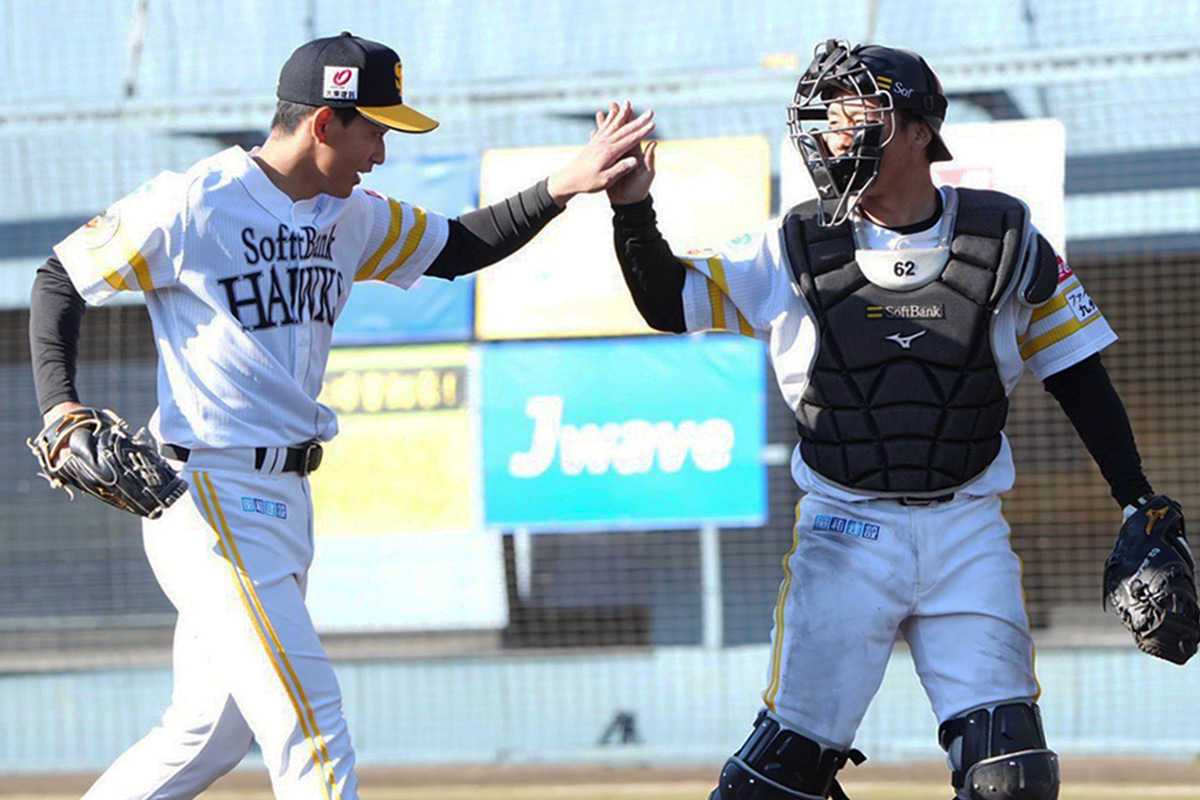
{"points": [[319, 123], [922, 134]]}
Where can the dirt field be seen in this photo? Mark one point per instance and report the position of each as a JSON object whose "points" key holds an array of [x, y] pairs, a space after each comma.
{"points": [[1084, 779]]}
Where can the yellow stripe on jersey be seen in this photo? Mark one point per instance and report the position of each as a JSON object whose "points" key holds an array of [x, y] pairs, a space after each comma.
{"points": [[772, 690], [744, 326], [410, 243], [133, 259], [716, 299], [368, 268], [1055, 303], [1054, 335], [717, 270], [142, 269], [114, 279], [264, 630]]}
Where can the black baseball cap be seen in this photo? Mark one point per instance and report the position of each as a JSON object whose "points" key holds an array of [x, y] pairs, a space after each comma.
{"points": [[346, 71], [912, 84]]}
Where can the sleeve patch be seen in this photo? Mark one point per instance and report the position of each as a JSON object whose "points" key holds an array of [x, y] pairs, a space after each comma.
{"points": [[100, 229], [1081, 304]]}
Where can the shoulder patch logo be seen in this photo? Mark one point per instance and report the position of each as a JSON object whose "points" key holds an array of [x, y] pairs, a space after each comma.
{"points": [[100, 229]]}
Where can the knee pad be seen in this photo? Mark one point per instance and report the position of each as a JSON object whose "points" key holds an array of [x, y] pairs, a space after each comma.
{"points": [[1000, 753], [778, 764]]}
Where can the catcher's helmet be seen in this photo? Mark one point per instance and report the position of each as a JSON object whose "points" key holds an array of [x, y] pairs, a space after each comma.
{"points": [[878, 79]]}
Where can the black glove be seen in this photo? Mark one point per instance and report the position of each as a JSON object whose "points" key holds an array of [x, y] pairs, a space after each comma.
{"points": [[1150, 579], [92, 450]]}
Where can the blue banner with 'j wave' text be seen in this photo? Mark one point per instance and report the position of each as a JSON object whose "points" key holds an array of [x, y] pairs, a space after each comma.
{"points": [[636, 433]]}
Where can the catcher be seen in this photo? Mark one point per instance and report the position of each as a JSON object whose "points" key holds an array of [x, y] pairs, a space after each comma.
{"points": [[898, 316]]}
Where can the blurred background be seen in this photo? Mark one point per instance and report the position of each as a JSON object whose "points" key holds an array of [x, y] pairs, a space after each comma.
{"points": [[603, 595]]}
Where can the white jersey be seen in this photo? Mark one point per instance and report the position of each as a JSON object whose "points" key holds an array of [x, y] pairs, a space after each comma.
{"points": [[243, 286], [748, 288]]}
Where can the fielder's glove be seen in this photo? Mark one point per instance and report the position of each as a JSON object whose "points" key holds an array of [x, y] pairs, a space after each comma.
{"points": [[1150, 579], [93, 451]]}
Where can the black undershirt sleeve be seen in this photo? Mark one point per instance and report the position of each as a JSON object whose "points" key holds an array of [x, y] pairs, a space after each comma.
{"points": [[482, 237], [655, 277], [1091, 402], [55, 316]]}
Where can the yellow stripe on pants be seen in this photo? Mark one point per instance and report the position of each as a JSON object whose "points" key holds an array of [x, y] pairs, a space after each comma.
{"points": [[264, 630], [772, 689]]}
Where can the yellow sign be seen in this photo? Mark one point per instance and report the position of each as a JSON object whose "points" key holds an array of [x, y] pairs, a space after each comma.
{"points": [[404, 460], [567, 281]]}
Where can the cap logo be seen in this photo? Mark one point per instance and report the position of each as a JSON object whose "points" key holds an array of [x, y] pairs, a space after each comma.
{"points": [[399, 79], [895, 87], [341, 83]]}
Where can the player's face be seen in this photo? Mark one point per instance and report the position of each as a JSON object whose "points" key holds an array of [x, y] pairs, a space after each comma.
{"points": [[349, 151], [847, 115]]}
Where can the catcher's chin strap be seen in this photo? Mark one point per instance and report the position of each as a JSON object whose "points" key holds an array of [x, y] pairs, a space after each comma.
{"points": [[780, 764]]}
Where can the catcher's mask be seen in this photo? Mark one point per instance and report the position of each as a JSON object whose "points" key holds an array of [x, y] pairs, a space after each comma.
{"points": [[847, 93]]}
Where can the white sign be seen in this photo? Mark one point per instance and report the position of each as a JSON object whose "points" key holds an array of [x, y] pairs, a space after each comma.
{"points": [[1024, 158]]}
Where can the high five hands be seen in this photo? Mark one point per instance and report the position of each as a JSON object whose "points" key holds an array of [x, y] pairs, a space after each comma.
{"points": [[610, 159]]}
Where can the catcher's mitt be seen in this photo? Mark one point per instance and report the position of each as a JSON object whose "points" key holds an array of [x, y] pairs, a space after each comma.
{"points": [[1150, 580], [92, 450]]}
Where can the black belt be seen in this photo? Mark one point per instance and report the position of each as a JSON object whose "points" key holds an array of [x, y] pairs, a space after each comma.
{"points": [[925, 501], [303, 459]]}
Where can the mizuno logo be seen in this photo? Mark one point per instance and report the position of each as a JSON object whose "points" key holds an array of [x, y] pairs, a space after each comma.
{"points": [[905, 342], [1154, 516]]}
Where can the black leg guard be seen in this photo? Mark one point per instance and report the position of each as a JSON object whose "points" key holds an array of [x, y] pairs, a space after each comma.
{"points": [[1000, 754], [778, 764]]}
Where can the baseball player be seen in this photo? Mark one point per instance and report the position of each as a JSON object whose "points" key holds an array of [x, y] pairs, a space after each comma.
{"points": [[245, 262], [898, 317]]}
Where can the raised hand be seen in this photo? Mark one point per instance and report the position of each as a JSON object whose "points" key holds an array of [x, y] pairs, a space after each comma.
{"points": [[633, 186], [613, 151]]}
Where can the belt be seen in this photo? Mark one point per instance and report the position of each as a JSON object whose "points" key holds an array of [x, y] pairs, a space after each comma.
{"points": [[925, 501], [303, 459]]}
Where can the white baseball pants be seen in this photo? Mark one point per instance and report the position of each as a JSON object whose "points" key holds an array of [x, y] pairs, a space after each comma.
{"points": [[944, 576], [233, 557]]}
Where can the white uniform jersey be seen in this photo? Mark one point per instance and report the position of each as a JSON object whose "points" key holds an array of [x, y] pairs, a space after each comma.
{"points": [[243, 286], [748, 288]]}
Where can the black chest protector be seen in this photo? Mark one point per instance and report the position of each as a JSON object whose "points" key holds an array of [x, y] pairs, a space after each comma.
{"points": [[904, 396]]}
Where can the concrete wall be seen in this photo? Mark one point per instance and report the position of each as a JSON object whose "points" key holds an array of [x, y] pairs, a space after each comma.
{"points": [[690, 706]]}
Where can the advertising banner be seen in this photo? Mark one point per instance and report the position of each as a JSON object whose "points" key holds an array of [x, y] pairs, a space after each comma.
{"points": [[567, 281], [399, 540], [634, 433]]}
